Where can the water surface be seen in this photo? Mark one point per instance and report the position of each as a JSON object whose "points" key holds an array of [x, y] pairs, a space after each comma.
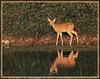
{"points": [[39, 63]]}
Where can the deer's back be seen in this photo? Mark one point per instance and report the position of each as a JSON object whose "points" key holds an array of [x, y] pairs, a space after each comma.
{"points": [[64, 27]]}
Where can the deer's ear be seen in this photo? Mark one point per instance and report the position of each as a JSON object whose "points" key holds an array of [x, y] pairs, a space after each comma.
{"points": [[54, 20], [48, 19]]}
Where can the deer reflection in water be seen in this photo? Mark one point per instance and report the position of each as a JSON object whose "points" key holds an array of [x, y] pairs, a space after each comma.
{"points": [[61, 60]]}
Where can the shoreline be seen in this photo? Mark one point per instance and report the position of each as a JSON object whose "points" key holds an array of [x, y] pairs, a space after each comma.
{"points": [[47, 40]]}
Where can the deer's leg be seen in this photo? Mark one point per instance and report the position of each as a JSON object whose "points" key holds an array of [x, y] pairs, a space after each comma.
{"points": [[57, 39], [61, 53], [58, 53], [61, 39], [71, 35], [74, 32], [76, 54], [71, 54]]}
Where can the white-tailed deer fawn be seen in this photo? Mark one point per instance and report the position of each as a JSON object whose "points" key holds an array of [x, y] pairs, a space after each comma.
{"points": [[64, 27], [63, 61]]}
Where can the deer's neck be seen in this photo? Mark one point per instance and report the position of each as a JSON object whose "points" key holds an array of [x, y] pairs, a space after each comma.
{"points": [[53, 25]]}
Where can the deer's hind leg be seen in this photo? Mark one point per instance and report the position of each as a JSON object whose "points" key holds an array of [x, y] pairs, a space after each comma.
{"points": [[75, 33], [71, 35]]}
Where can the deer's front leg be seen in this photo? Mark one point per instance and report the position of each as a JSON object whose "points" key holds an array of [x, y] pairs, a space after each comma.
{"points": [[57, 39], [61, 39]]}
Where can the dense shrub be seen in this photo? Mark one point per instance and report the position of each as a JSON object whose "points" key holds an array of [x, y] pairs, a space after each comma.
{"points": [[30, 19]]}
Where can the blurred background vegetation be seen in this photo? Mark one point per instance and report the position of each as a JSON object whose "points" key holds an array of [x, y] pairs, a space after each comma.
{"points": [[30, 19]]}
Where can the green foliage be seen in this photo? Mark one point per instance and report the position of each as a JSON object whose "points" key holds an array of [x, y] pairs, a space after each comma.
{"points": [[30, 19]]}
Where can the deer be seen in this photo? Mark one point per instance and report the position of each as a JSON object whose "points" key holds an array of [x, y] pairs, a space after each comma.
{"points": [[64, 61], [63, 27]]}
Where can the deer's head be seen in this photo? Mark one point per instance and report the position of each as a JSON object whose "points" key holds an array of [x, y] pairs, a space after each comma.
{"points": [[52, 21]]}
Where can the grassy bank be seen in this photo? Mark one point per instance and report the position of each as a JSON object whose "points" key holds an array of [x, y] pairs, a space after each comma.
{"points": [[48, 40]]}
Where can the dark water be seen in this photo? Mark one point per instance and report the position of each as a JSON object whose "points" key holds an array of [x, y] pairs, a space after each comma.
{"points": [[39, 63]]}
